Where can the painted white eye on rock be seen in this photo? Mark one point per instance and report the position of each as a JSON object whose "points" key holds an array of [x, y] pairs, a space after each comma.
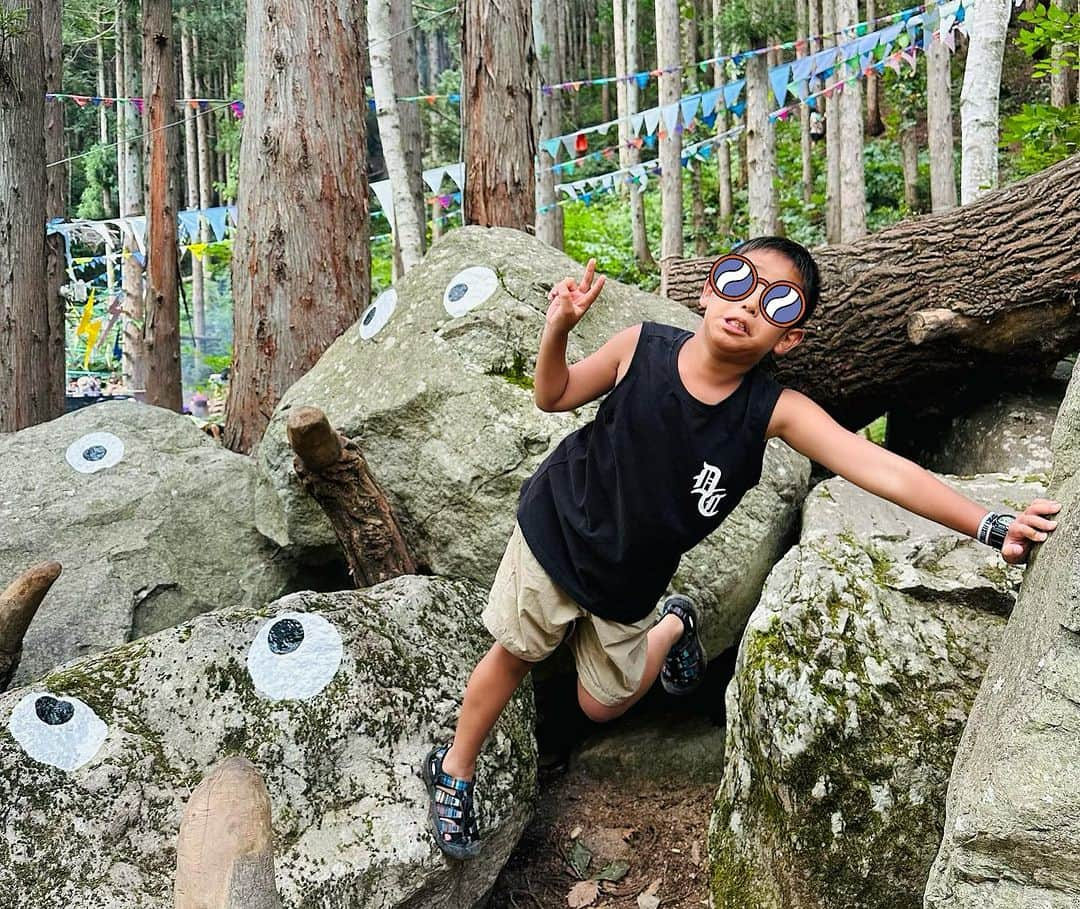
{"points": [[95, 451], [294, 656], [58, 730], [378, 313], [468, 289]]}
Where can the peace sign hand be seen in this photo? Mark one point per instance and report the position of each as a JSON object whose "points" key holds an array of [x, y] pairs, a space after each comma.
{"points": [[570, 300]]}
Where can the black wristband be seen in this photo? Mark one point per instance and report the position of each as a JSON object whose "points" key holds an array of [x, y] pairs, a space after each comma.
{"points": [[993, 528]]}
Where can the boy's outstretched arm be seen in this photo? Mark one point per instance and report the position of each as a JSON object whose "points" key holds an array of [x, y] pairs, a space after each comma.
{"points": [[558, 387], [807, 428]]}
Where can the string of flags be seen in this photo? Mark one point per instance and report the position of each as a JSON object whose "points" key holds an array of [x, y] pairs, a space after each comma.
{"points": [[200, 104]]}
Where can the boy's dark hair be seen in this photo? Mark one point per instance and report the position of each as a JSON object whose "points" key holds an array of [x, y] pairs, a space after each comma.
{"points": [[802, 260]]}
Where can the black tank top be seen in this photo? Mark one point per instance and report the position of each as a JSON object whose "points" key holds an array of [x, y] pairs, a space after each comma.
{"points": [[610, 511]]}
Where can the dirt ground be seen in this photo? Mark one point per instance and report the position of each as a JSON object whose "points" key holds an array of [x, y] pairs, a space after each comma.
{"points": [[657, 831]]}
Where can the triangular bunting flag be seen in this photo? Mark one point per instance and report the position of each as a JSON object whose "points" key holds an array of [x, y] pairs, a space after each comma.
{"points": [[551, 146], [456, 172], [732, 90], [433, 177], [216, 218], [384, 193], [778, 79], [636, 121], [652, 120], [708, 101], [688, 107], [671, 116], [189, 222]]}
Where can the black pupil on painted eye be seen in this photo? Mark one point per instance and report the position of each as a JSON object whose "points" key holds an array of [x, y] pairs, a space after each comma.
{"points": [[52, 711], [94, 453], [457, 292], [285, 636], [369, 316]]}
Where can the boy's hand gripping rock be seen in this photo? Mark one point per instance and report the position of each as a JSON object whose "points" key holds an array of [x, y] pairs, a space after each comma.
{"points": [[570, 300]]}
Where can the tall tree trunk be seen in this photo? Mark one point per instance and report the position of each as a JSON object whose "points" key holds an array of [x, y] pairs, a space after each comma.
{"points": [[407, 85], [55, 204], [549, 223], [874, 124], [102, 110], [939, 125], [134, 347], [301, 257], [884, 338], [723, 148], [406, 227], [25, 397], [497, 65], [637, 201], [192, 182], [1059, 81], [206, 190], [760, 150], [832, 132], [909, 160], [161, 307], [667, 59], [852, 178], [987, 24], [118, 82], [802, 50], [697, 202]]}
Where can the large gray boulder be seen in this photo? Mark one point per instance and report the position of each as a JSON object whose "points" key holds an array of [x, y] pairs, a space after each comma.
{"points": [[851, 687], [152, 520], [1012, 828], [335, 698], [439, 399]]}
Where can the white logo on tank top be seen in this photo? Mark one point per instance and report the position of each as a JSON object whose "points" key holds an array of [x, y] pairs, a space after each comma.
{"points": [[707, 485]]}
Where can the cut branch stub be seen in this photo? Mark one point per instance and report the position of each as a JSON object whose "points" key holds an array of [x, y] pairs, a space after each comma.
{"points": [[225, 848], [18, 606], [336, 475]]}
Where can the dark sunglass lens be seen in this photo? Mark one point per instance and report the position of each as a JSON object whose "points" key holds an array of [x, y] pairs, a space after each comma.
{"points": [[782, 304], [732, 277]]}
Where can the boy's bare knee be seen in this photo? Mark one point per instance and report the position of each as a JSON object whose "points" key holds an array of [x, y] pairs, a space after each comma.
{"points": [[594, 710]]}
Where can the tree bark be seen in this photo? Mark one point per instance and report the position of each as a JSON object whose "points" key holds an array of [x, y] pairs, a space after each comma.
{"points": [[134, 347], [874, 124], [498, 79], [642, 252], [1059, 81], [18, 605], [549, 224], [103, 118], [805, 147], [979, 121], [203, 122], [225, 847], [24, 314], [909, 160], [832, 133], [334, 471], [407, 85], [760, 150], [161, 307], [55, 205], [880, 335], [301, 257], [407, 227], [852, 177], [697, 202], [723, 148], [939, 124], [667, 58]]}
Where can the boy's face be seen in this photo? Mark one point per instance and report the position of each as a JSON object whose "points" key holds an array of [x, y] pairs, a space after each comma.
{"points": [[758, 336]]}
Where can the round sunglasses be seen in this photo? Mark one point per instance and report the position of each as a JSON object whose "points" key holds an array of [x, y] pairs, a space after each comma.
{"points": [[734, 277]]}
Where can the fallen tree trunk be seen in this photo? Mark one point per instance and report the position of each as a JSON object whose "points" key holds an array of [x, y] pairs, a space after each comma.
{"points": [[336, 475], [930, 310], [18, 605]]}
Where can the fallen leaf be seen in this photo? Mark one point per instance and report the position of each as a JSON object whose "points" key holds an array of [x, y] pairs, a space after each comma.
{"points": [[648, 901], [695, 853], [580, 857], [583, 893], [616, 871], [575, 833]]}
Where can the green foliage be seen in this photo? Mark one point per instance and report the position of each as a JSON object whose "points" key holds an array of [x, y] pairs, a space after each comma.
{"points": [[99, 174], [1042, 135], [749, 23], [1051, 26], [444, 121]]}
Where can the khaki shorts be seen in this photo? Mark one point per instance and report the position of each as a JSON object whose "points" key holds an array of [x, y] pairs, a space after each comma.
{"points": [[530, 615]]}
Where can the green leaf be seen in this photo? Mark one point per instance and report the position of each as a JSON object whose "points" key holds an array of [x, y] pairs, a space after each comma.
{"points": [[616, 871]]}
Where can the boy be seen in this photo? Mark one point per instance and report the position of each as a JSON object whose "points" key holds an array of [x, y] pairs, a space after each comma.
{"points": [[673, 447]]}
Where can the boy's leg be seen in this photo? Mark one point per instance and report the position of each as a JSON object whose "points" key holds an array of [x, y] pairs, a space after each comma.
{"points": [[490, 688], [659, 640]]}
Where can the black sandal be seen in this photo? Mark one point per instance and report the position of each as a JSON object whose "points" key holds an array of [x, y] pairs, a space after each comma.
{"points": [[684, 667], [453, 821]]}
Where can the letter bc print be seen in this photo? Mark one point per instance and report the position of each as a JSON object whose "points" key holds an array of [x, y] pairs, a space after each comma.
{"points": [[707, 485]]}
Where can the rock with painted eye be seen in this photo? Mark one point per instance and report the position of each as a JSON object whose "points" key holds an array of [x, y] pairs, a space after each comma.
{"points": [[378, 313], [95, 451], [57, 730], [294, 656], [782, 303], [468, 289]]}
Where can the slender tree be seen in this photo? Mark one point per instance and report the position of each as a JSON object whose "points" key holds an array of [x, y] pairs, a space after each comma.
{"points": [[497, 92], [24, 313], [301, 258], [161, 324], [549, 69], [874, 124], [407, 85], [192, 184], [802, 49], [407, 227], [134, 348], [832, 130], [668, 62], [723, 148], [1061, 78], [637, 203], [939, 123], [852, 177], [760, 149], [979, 121]]}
